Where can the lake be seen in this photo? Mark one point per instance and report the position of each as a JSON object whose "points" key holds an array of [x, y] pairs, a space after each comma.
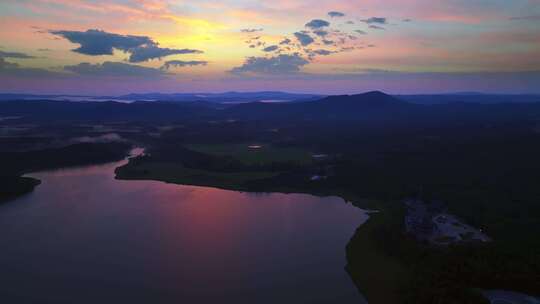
{"points": [[84, 237]]}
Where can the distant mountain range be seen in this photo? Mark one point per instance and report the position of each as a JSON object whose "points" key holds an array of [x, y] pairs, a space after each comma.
{"points": [[275, 96], [227, 97], [372, 108], [341, 107]]}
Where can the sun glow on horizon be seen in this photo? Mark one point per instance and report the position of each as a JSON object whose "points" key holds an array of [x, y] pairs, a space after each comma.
{"points": [[236, 42]]}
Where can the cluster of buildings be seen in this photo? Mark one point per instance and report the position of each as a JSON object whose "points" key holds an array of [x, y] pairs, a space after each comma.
{"points": [[432, 223]]}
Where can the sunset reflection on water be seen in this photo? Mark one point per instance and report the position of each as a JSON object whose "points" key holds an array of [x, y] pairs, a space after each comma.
{"points": [[83, 236]]}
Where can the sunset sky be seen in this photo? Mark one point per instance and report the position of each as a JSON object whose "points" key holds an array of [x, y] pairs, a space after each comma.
{"points": [[108, 47]]}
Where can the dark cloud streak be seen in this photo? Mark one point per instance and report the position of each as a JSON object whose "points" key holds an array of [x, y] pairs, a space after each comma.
{"points": [[320, 33], [317, 24], [181, 63], [145, 53], [278, 65], [113, 69], [95, 42], [251, 30], [16, 55], [15, 70], [304, 38], [375, 20], [271, 48], [285, 41], [335, 14]]}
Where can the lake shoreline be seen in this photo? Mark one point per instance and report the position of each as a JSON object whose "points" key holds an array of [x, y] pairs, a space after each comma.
{"points": [[67, 178], [365, 257], [16, 183], [369, 249], [357, 264]]}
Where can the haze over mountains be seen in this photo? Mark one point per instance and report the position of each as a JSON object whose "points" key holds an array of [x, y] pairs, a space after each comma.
{"points": [[374, 107], [274, 96], [226, 97]]}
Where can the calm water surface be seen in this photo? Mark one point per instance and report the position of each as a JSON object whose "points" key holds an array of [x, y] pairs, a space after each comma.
{"points": [[84, 237]]}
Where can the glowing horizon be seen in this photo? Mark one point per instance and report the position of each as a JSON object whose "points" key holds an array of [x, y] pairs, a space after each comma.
{"points": [[103, 47]]}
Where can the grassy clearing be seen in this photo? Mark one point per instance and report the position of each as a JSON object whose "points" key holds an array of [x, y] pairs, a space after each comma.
{"points": [[266, 154], [178, 174]]}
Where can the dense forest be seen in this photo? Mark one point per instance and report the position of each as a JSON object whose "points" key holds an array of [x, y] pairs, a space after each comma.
{"points": [[479, 159]]}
